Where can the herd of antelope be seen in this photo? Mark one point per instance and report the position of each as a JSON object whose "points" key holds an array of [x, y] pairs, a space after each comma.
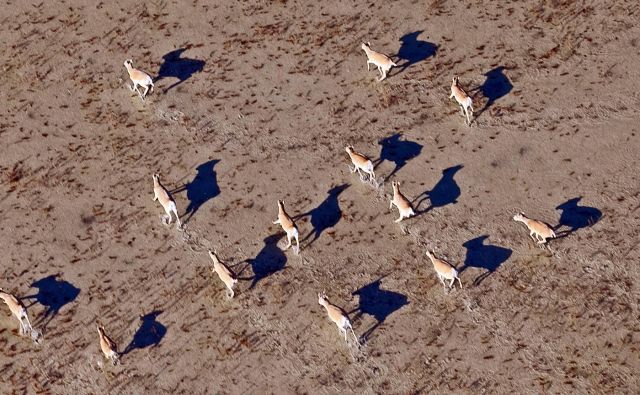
{"points": [[540, 232]]}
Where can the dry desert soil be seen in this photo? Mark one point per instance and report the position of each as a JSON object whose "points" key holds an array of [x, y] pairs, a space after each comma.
{"points": [[254, 101]]}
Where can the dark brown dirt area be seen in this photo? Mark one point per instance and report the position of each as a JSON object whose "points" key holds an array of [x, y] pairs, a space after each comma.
{"points": [[256, 103]]}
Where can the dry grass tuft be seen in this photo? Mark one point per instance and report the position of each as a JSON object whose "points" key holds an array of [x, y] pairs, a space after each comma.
{"points": [[14, 175], [386, 96]]}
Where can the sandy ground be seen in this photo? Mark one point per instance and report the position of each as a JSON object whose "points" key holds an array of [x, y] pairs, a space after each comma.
{"points": [[256, 103]]}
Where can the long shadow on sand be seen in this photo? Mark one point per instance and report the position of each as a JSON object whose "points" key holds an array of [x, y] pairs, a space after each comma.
{"points": [[576, 217], [326, 215], [269, 260], [495, 86], [446, 191], [413, 51], [378, 303], [488, 257], [177, 67], [397, 151], [149, 334], [53, 294], [203, 188]]}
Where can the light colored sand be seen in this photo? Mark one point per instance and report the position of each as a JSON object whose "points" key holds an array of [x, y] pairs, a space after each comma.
{"points": [[283, 89]]}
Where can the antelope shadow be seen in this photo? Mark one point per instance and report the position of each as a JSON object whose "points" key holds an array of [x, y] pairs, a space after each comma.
{"points": [[53, 294], [576, 217], [269, 260], [203, 188], [446, 191], [149, 334], [488, 257], [177, 67], [414, 51], [378, 303], [397, 151], [495, 86], [326, 215]]}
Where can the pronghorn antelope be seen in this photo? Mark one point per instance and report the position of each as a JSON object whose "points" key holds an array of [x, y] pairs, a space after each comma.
{"points": [[360, 163], [139, 78], [287, 225], [337, 315], [444, 270], [20, 312], [537, 229], [401, 202], [108, 346], [226, 275], [161, 194], [462, 98], [382, 61]]}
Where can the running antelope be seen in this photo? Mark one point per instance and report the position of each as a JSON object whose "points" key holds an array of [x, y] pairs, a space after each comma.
{"points": [[337, 315], [382, 61], [360, 163], [444, 270], [226, 275], [401, 202], [537, 229], [139, 78], [462, 98], [19, 311], [161, 194], [287, 225], [108, 346]]}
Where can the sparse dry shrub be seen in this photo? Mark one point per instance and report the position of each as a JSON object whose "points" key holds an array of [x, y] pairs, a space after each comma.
{"points": [[15, 174], [435, 6], [568, 45], [386, 95], [558, 3]]}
